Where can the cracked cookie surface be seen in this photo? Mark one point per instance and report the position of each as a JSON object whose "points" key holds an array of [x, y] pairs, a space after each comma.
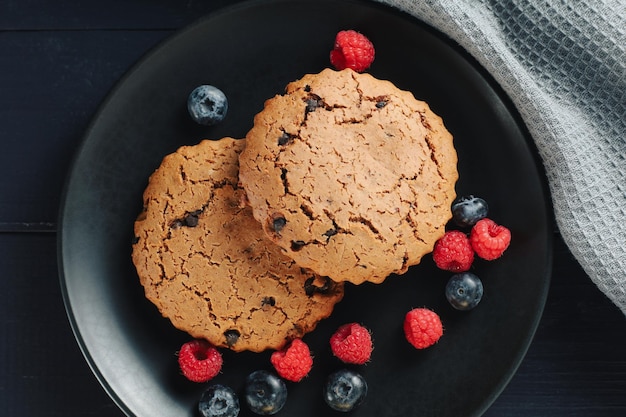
{"points": [[350, 175], [204, 261]]}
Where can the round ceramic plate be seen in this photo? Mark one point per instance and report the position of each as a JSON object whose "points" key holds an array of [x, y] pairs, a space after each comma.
{"points": [[251, 51]]}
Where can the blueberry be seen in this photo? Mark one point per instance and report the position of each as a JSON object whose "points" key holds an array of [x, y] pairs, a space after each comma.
{"points": [[345, 390], [464, 291], [266, 393], [467, 210], [219, 401], [207, 105]]}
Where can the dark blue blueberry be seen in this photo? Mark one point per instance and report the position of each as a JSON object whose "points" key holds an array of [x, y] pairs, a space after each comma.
{"points": [[345, 390], [464, 291], [219, 401], [266, 393], [466, 211], [207, 105]]}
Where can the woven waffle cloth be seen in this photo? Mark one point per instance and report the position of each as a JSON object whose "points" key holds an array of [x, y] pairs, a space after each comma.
{"points": [[563, 65]]}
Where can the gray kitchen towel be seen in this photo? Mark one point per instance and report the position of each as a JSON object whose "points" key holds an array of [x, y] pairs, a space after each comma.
{"points": [[563, 64]]}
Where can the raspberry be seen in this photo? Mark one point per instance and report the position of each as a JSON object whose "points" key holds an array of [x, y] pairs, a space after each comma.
{"points": [[453, 252], [489, 240], [199, 361], [294, 362], [352, 343], [422, 327], [352, 50]]}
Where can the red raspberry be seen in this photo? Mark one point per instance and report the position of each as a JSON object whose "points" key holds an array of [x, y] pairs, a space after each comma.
{"points": [[352, 343], [489, 239], [199, 360], [294, 362], [352, 50], [422, 327], [453, 252]]}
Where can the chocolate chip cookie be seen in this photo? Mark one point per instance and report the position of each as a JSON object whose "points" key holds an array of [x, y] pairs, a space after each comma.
{"points": [[350, 175], [204, 261]]}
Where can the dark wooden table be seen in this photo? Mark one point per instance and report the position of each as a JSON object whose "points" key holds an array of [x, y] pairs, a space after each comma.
{"points": [[58, 59]]}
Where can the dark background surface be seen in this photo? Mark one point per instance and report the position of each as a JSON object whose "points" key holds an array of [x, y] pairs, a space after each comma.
{"points": [[58, 60]]}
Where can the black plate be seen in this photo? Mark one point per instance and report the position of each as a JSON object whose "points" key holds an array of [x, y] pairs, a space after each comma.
{"points": [[251, 51]]}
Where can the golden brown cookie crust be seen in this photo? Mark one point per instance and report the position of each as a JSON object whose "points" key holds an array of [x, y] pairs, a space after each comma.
{"points": [[350, 175], [204, 261]]}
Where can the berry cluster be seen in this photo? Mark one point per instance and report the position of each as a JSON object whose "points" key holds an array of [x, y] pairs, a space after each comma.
{"points": [[456, 250], [266, 392]]}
